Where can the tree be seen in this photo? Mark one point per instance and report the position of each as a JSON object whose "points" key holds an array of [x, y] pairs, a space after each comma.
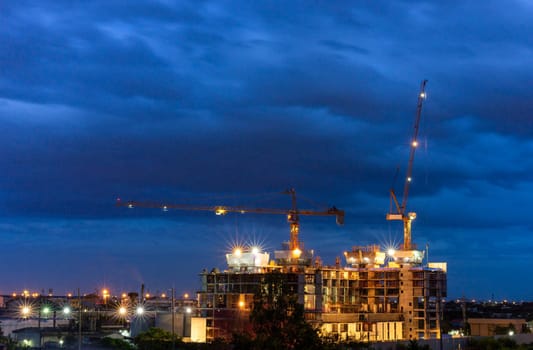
{"points": [[278, 319], [504, 330], [156, 339], [117, 344]]}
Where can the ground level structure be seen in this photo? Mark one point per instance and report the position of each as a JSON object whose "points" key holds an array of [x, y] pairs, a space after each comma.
{"points": [[371, 297]]}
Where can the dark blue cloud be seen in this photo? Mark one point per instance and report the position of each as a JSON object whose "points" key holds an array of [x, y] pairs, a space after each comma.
{"points": [[221, 101]]}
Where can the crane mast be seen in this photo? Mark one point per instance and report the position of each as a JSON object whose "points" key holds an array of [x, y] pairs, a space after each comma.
{"points": [[293, 214], [401, 209]]}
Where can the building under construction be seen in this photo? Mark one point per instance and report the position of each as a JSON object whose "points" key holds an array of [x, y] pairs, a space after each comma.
{"points": [[372, 296]]}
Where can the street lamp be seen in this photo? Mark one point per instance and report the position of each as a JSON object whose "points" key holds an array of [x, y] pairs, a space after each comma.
{"points": [[122, 311], [66, 311], [25, 311], [46, 310], [139, 311]]}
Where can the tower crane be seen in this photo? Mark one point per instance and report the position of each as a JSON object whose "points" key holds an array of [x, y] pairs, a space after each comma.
{"points": [[401, 209], [293, 214]]}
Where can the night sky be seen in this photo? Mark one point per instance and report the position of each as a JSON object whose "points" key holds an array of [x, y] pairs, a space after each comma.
{"points": [[215, 102]]}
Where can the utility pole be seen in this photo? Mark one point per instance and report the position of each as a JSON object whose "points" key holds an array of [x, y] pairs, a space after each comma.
{"points": [[79, 319], [173, 316]]}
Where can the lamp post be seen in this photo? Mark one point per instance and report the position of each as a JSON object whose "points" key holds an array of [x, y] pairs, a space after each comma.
{"points": [[173, 316], [79, 320], [43, 310]]}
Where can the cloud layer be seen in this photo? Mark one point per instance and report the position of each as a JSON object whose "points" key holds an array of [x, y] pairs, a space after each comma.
{"points": [[191, 102]]}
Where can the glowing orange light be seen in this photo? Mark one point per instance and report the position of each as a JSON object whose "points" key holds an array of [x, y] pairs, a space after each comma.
{"points": [[186, 295], [220, 211], [296, 253], [26, 310]]}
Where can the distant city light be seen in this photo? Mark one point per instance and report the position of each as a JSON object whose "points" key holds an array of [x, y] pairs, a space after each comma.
{"points": [[122, 311], [139, 310], [26, 311]]}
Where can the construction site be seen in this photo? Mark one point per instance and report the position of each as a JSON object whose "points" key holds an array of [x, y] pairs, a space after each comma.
{"points": [[374, 294]]}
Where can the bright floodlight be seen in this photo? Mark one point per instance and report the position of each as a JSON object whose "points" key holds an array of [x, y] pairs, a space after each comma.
{"points": [[296, 253], [26, 310], [140, 310], [391, 252], [122, 311], [415, 143], [511, 333], [188, 310], [66, 310], [255, 250], [237, 251]]}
